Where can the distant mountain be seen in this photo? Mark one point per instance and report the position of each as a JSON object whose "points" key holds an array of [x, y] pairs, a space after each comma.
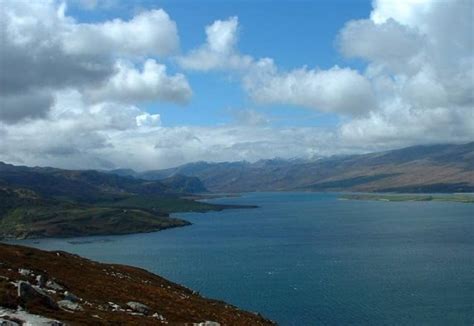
{"points": [[184, 184], [431, 168]]}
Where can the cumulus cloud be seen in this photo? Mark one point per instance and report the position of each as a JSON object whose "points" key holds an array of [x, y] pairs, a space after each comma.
{"points": [[44, 51], [418, 79], [148, 33], [420, 58], [219, 51], [389, 43], [133, 86], [340, 90]]}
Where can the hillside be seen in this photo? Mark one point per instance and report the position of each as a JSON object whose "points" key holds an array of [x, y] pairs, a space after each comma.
{"points": [[90, 185], [47, 202], [433, 168], [48, 286]]}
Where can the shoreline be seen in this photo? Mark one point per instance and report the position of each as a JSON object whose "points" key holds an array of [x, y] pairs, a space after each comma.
{"points": [[463, 198]]}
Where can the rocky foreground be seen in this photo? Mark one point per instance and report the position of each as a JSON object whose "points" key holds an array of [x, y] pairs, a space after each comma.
{"points": [[58, 288]]}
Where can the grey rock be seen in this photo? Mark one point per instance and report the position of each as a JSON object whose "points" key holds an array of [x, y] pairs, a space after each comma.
{"points": [[114, 306], [40, 280], [69, 305], [27, 293], [53, 285], [71, 297], [25, 272], [138, 307], [5, 322], [158, 316]]}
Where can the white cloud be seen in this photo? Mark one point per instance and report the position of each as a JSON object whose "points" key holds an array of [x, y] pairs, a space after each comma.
{"points": [[390, 43], [421, 63], [340, 90], [219, 51], [43, 51], [335, 90], [106, 135], [148, 33], [130, 85], [148, 120], [407, 12]]}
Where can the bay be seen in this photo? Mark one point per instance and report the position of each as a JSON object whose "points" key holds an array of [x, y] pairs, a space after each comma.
{"points": [[312, 259]]}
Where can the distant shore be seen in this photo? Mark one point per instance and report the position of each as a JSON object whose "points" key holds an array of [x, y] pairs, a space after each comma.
{"points": [[458, 198]]}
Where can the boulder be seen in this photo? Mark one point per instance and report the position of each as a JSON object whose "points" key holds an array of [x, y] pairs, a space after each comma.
{"points": [[71, 297], [138, 307], [29, 294]]}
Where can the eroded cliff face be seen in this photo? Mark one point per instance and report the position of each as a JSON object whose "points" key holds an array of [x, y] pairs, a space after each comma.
{"points": [[56, 288]]}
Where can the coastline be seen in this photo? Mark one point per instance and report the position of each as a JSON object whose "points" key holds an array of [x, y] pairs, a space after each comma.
{"points": [[138, 216], [465, 198]]}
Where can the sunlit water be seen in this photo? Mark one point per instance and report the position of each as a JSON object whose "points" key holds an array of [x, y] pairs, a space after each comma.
{"points": [[311, 259]]}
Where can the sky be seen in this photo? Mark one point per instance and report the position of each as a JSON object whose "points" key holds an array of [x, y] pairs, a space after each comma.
{"points": [[154, 84]]}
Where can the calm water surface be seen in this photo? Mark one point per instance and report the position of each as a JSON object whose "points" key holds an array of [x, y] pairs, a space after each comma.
{"points": [[311, 259]]}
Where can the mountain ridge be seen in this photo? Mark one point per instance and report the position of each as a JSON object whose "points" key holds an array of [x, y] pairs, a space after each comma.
{"points": [[420, 168]]}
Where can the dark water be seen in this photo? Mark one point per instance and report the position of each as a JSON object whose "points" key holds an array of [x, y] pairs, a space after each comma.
{"points": [[310, 259]]}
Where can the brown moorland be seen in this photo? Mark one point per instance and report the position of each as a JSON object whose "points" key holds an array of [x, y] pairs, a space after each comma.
{"points": [[103, 291]]}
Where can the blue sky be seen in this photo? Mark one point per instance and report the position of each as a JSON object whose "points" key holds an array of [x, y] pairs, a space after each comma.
{"points": [[293, 33]]}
